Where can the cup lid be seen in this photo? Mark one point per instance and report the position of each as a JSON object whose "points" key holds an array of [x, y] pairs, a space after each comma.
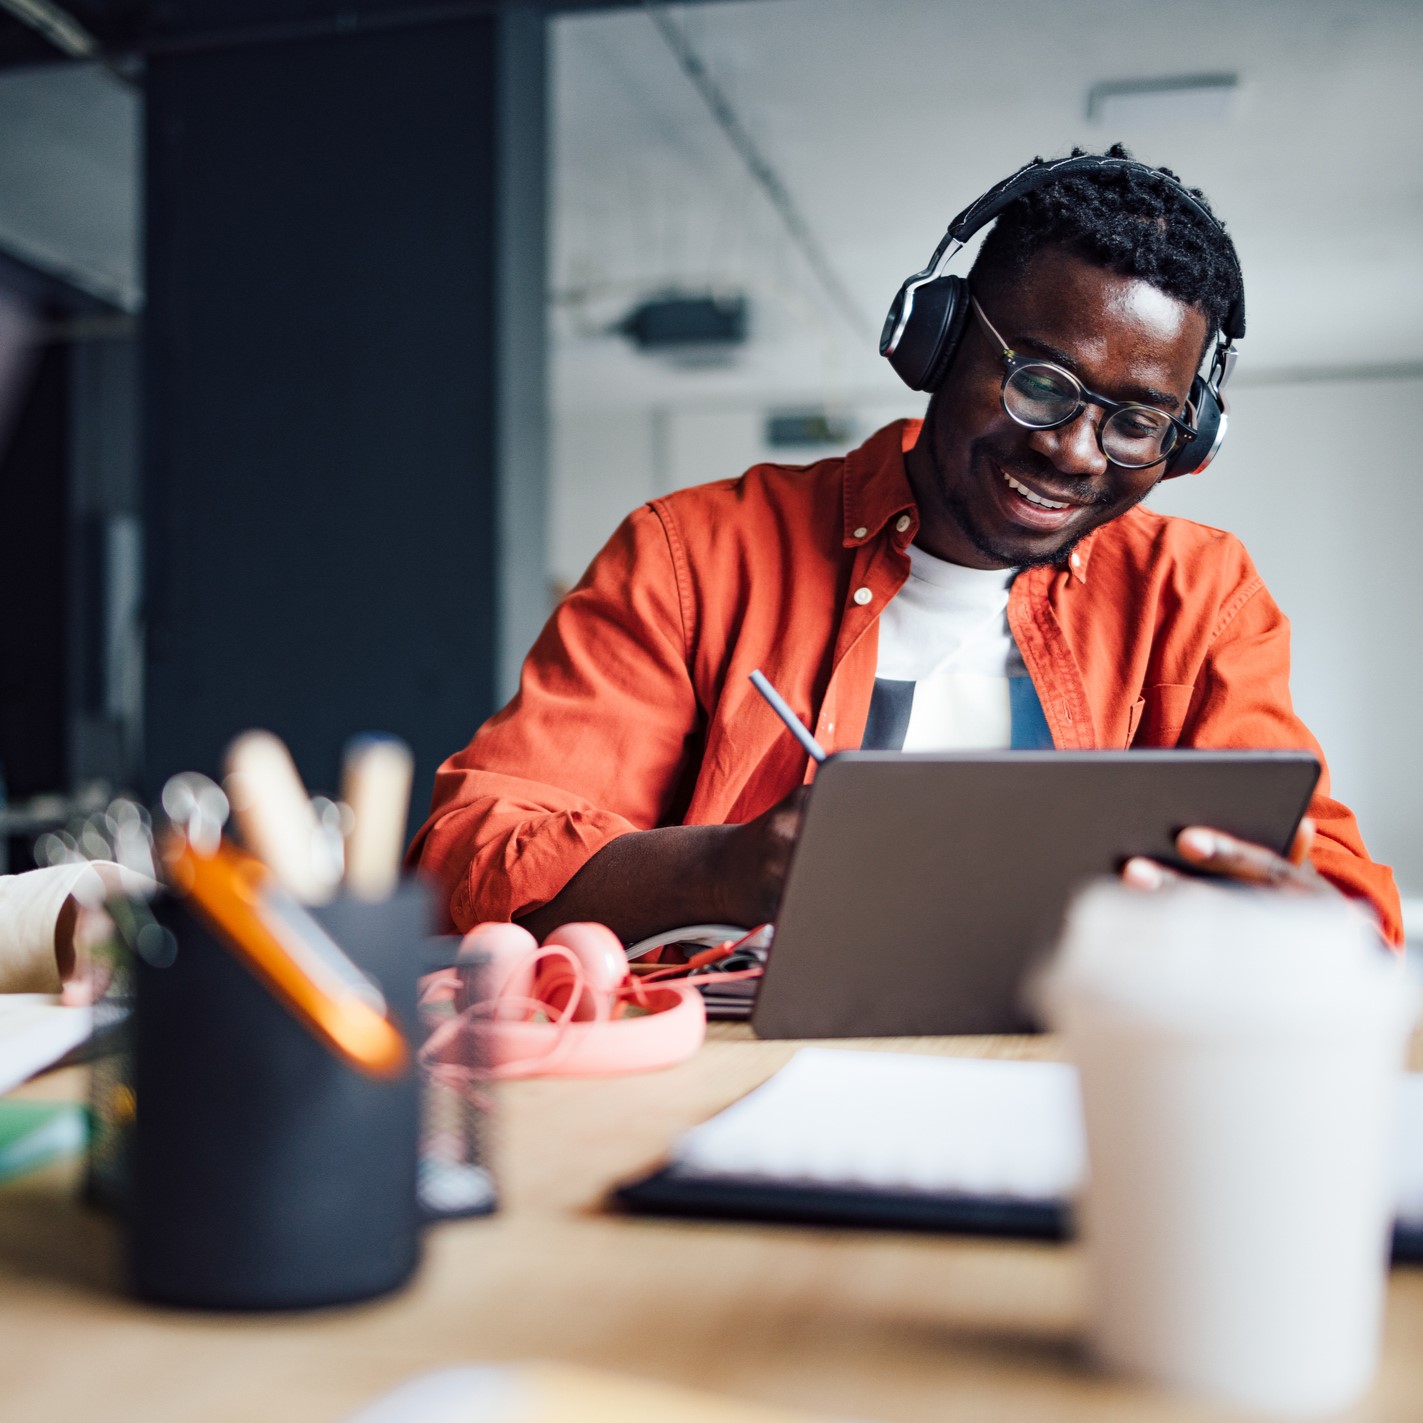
{"points": [[1217, 959]]}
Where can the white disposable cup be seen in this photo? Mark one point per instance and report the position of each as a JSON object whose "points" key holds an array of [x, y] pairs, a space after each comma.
{"points": [[1239, 1055]]}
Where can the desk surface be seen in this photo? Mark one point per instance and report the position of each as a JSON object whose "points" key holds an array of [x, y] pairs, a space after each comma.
{"points": [[848, 1323]]}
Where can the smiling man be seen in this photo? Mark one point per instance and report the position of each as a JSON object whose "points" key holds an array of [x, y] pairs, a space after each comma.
{"points": [[985, 579], [1013, 493]]}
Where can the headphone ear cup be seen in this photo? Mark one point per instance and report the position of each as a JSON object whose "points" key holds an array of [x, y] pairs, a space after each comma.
{"points": [[510, 952], [932, 333], [603, 963], [955, 318], [1207, 413]]}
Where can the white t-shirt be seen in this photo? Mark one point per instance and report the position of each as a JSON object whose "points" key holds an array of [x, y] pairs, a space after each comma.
{"points": [[949, 676]]}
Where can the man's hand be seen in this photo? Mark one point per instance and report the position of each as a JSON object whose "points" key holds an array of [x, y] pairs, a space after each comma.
{"points": [[1238, 860], [650, 880], [755, 858], [77, 931]]}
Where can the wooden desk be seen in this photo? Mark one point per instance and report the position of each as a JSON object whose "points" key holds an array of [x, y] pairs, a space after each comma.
{"points": [[854, 1324]]}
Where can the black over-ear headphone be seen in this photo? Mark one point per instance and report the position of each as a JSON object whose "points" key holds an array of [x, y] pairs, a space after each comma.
{"points": [[928, 315]]}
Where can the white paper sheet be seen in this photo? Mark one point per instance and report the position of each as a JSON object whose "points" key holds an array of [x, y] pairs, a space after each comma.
{"points": [[35, 1031]]}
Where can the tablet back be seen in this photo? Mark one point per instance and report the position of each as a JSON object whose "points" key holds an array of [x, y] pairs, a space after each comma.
{"points": [[924, 886]]}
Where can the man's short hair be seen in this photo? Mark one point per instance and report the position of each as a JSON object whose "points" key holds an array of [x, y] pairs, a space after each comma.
{"points": [[1126, 220]]}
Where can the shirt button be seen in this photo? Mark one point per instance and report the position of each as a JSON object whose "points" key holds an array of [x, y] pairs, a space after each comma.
{"points": [[902, 523], [1076, 559], [861, 532], [863, 596]]}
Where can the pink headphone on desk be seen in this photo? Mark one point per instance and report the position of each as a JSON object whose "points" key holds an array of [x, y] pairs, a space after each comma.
{"points": [[562, 1007]]}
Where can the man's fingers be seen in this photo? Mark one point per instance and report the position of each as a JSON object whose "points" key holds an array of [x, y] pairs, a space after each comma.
{"points": [[1303, 842], [1141, 873], [1240, 860]]}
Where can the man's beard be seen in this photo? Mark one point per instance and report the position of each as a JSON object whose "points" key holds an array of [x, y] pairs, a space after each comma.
{"points": [[1001, 553]]}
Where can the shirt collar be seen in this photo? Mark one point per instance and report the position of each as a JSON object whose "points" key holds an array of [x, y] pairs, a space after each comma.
{"points": [[877, 489], [877, 494]]}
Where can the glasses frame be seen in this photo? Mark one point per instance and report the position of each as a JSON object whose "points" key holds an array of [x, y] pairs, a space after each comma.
{"points": [[1014, 363]]}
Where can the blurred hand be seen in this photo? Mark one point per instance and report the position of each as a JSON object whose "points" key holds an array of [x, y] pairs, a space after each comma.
{"points": [[83, 924], [754, 858], [77, 930], [1237, 860]]}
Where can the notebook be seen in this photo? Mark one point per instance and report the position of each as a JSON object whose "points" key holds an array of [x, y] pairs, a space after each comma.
{"points": [[840, 1137]]}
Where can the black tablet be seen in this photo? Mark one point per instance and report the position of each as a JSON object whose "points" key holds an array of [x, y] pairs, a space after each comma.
{"points": [[924, 887]]}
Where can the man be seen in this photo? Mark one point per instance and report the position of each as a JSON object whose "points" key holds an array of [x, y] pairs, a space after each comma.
{"points": [[993, 561]]}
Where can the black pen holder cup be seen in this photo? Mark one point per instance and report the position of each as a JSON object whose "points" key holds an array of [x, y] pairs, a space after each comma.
{"points": [[265, 1172]]}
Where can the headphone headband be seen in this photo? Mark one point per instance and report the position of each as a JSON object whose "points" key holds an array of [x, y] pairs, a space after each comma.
{"points": [[1040, 173], [927, 318]]}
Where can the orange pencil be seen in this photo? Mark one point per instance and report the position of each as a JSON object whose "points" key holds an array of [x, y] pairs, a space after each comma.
{"points": [[289, 951]]}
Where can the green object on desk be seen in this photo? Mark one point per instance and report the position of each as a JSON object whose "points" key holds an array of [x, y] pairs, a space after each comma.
{"points": [[32, 1134]]}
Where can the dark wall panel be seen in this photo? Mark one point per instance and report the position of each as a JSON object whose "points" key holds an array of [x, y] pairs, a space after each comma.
{"points": [[34, 584], [321, 410]]}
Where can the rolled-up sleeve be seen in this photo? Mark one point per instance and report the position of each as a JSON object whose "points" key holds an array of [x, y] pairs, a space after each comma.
{"points": [[1242, 700], [595, 743], [29, 912]]}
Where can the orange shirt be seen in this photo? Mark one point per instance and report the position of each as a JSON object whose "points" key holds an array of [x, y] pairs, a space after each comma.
{"points": [[634, 708]]}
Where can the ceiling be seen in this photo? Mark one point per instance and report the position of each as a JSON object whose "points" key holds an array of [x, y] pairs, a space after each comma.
{"points": [[882, 121]]}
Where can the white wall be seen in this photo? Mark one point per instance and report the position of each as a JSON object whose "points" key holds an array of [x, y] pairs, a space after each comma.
{"points": [[602, 467], [1320, 479], [608, 461]]}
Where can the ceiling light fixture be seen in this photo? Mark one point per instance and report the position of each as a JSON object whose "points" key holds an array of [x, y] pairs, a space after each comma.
{"points": [[1183, 99], [808, 429], [688, 329]]}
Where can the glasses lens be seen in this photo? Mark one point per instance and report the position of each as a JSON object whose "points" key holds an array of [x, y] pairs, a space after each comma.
{"points": [[1041, 396], [1137, 436]]}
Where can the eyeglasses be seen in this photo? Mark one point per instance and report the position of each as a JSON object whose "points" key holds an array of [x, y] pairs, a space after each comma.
{"points": [[1043, 396]]}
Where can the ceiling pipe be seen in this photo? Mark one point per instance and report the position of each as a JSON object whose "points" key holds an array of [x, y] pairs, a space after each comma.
{"points": [[727, 119], [59, 27]]}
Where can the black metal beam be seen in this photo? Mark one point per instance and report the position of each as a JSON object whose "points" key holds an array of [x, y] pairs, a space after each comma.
{"points": [[115, 24], [139, 27]]}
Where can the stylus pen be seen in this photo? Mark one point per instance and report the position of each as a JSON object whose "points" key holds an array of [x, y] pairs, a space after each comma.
{"points": [[794, 724]]}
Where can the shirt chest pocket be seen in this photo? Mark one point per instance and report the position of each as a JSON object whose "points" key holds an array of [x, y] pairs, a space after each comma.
{"points": [[1157, 716]]}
